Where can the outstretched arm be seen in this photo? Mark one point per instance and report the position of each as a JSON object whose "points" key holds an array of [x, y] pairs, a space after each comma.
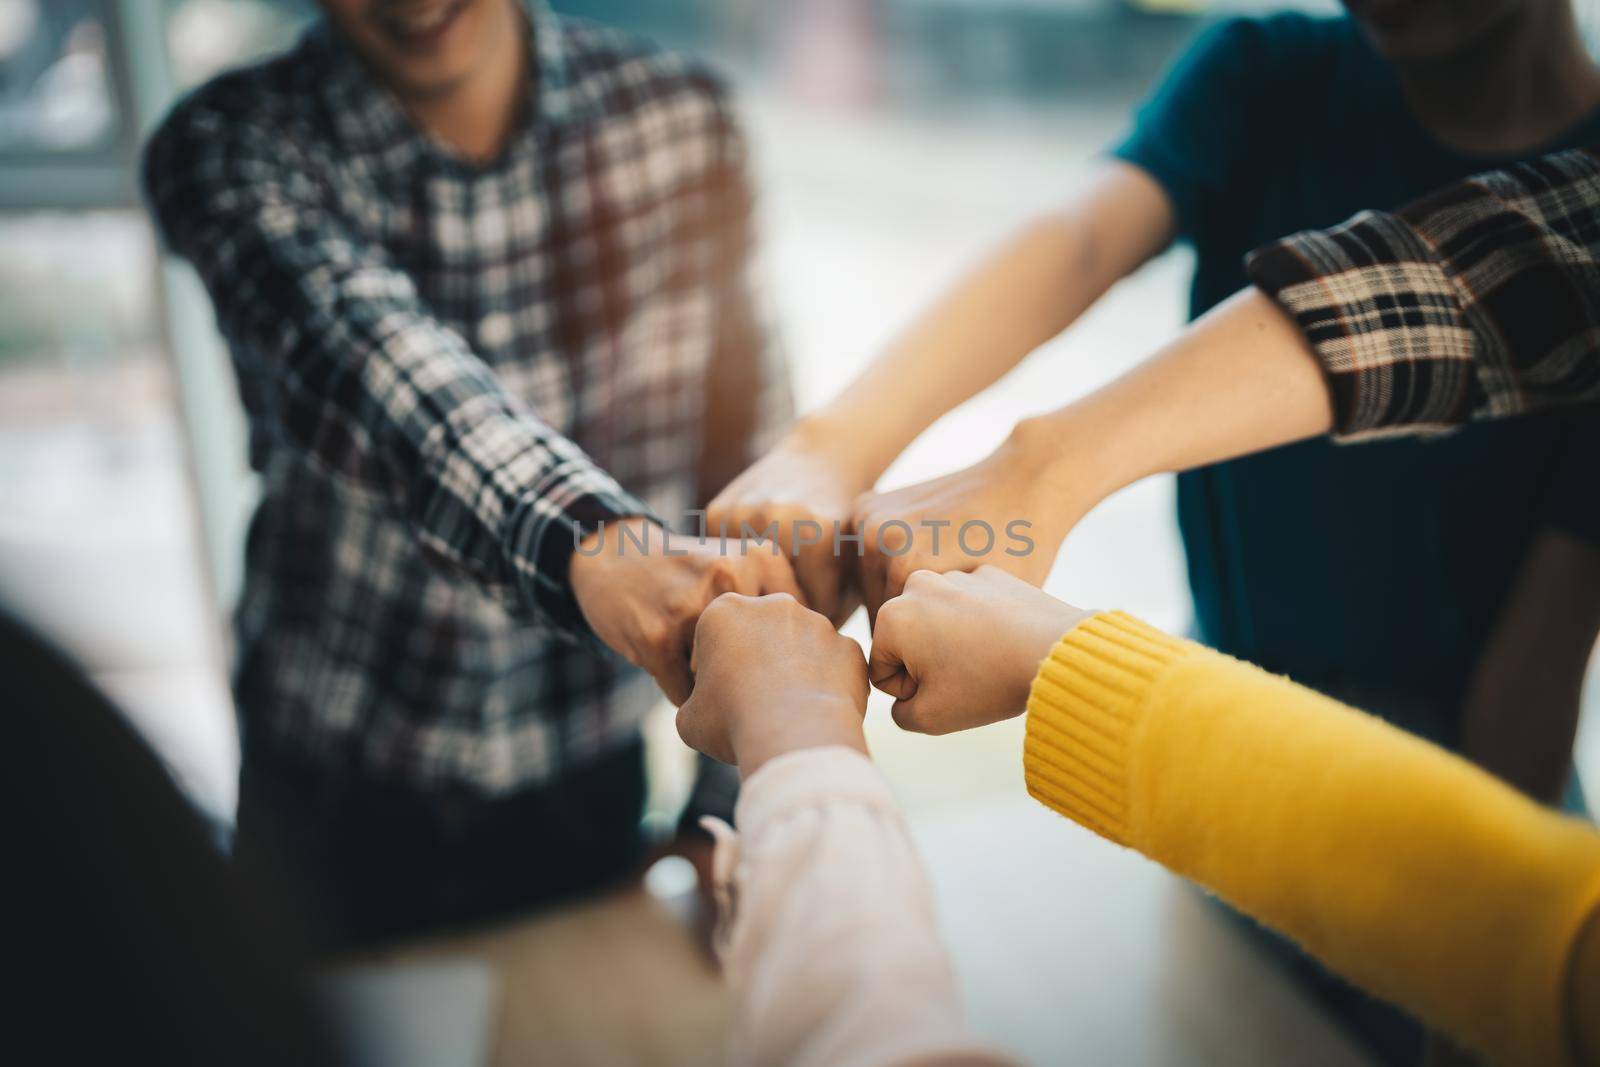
{"points": [[1399, 865], [827, 919], [362, 382], [1240, 379], [1029, 290], [1481, 300]]}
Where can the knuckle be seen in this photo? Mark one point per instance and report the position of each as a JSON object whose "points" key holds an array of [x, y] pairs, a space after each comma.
{"points": [[653, 632], [723, 605]]}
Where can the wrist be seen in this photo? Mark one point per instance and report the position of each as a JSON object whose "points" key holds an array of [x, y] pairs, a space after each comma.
{"points": [[801, 722], [607, 544], [608, 539], [1076, 456], [1042, 634], [857, 445]]}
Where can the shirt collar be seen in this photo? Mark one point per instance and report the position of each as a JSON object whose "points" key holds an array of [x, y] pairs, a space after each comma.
{"points": [[558, 97], [367, 113]]}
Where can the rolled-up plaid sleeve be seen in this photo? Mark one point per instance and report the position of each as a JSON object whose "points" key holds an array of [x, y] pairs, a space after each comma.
{"points": [[360, 379], [1479, 300]]}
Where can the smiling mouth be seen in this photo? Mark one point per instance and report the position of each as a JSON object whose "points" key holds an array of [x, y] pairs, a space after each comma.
{"points": [[419, 25]]}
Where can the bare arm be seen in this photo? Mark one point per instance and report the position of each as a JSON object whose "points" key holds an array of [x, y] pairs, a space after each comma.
{"points": [[1477, 301], [1028, 291], [1031, 289], [1239, 380]]}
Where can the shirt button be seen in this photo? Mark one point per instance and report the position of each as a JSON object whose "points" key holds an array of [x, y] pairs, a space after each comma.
{"points": [[494, 330]]}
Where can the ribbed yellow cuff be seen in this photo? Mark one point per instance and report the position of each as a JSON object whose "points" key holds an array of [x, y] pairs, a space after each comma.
{"points": [[1083, 713]]}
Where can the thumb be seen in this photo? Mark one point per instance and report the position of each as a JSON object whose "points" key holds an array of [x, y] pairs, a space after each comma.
{"points": [[688, 723], [913, 715], [887, 671], [671, 672]]}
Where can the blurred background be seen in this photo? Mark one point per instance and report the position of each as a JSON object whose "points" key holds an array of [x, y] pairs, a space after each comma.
{"points": [[894, 141]]}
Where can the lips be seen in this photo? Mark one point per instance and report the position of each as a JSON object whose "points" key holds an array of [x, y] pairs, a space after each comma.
{"points": [[416, 26]]}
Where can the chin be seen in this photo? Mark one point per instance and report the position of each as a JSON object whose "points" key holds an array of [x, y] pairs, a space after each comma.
{"points": [[424, 47], [1422, 30]]}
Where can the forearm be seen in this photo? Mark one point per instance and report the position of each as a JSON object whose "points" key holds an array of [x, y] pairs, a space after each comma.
{"points": [[1028, 291], [1025, 294], [1240, 380], [361, 381], [1491, 327], [829, 935], [1522, 706], [1398, 865]]}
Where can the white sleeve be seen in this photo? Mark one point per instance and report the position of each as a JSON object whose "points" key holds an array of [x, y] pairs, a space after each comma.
{"points": [[827, 927]]}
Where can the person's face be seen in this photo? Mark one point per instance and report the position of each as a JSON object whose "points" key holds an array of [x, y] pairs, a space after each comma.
{"points": [[424, 48], [1429, 29]]}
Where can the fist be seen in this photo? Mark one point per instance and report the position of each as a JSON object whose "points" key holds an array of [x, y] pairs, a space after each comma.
{"points": [[959, 650], [642, 589], [802, 496], [1001, 512], [771, 676]]}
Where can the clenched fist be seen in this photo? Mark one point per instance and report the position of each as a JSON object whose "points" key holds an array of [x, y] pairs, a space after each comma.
{"points": [[771, 676], [959, 650], [1011, 510], [642, 590], [802, 491]]}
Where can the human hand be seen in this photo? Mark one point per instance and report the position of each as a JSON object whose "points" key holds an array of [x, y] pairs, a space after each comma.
{"points": [[1011, 510], [771, 676], [806, 487], [643, 602], [959, 650]]}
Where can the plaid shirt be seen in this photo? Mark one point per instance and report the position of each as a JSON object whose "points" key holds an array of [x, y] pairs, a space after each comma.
{"points": [[1481, 299], [451, 371]]}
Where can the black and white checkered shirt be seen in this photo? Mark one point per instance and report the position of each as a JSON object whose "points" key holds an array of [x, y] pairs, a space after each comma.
{"points": [[449, 370]]}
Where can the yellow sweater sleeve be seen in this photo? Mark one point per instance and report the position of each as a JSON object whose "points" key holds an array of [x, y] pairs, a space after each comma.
{"points": [[1402, 867]]}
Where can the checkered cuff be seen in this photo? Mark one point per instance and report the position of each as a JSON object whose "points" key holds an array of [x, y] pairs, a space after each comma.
{"points": [[542, 534], [1384, 319]]}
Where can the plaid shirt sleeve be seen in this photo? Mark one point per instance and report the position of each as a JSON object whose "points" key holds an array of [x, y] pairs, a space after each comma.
{"points": [[365, 383], [1482, 299]]}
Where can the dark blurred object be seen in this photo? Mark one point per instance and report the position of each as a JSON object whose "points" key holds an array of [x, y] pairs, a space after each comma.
{"points": [[135, 940], [368, 863]]}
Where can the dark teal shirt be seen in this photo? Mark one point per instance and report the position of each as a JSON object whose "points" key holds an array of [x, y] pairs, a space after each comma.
{"points": [[1373, 572]]}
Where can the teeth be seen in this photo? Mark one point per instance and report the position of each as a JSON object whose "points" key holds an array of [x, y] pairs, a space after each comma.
{"points": [[424, 21]]}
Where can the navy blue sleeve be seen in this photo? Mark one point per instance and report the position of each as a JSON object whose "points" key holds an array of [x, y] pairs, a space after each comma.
{"points": [[1197, 134]]}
